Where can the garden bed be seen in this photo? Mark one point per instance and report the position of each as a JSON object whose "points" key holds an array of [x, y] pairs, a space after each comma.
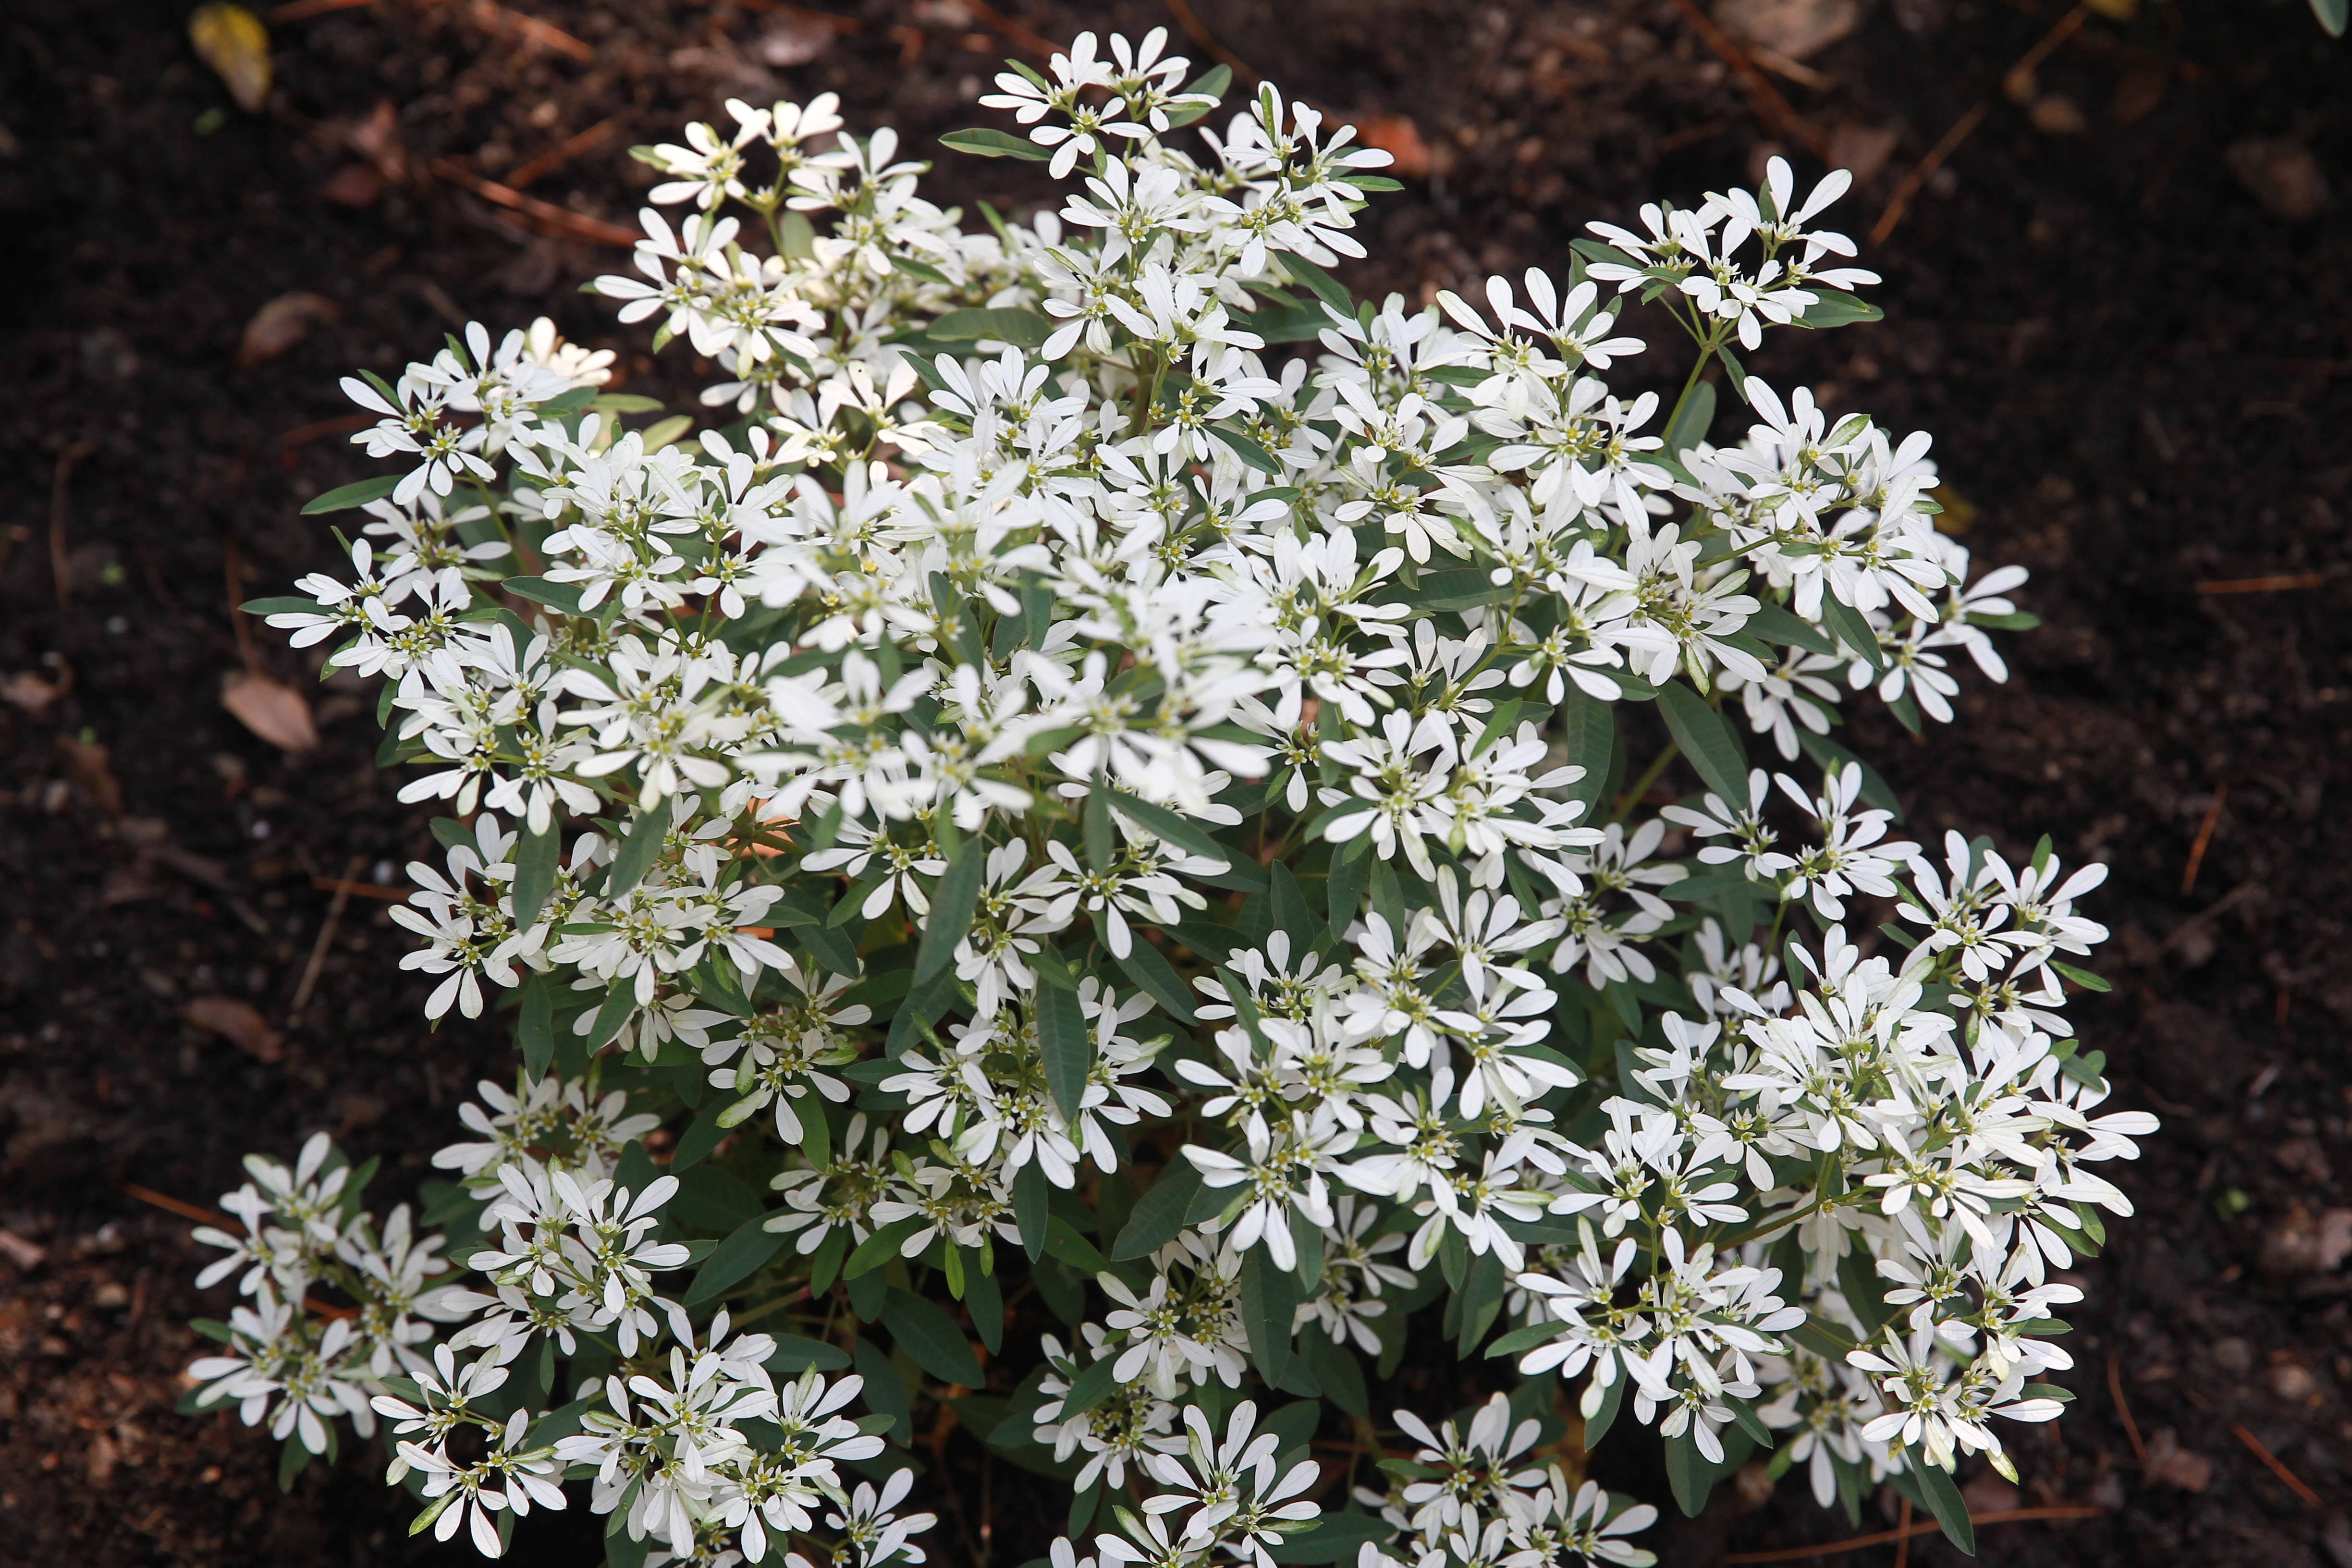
{"points": [[2136, 372]]}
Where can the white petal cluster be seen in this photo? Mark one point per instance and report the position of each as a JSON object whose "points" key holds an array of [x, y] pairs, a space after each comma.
{"points": [[1110, 751]]}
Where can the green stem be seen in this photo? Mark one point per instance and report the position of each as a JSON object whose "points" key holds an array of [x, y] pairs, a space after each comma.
{"points": [[1641, 786], [1706, 354]]}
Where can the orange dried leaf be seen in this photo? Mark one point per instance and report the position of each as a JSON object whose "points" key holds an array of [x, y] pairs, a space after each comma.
{"points": [[232, 40], [281, 325], [271, 710], [237, 1023], [1400, 138]]}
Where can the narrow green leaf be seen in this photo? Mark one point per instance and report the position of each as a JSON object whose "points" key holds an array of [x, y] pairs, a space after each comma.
{"points": [[1850, 627], [1160, 1212], [1711, 746], [535, 1024], [1247, 451], [987, 143], [951, 905], [1269, 1297], [1325, 286], [1022, 328], [1693, 420], [698, 1140], [1835, 308], [1773, 622], [1588, 730], [639, 850], [536, 855], [1145, 966], [1944, 1500], [931, 1337], [344, 498], [564, 596], [1161, 823], [795, 1355], [745, 1251], [1067, 1047], [880, 1247]]}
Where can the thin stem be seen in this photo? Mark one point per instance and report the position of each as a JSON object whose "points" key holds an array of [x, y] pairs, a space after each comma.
{"points": [[1641, 786]]}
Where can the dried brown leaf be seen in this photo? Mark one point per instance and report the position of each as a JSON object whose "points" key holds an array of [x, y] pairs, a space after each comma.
{"points": [[29, 691], [237, 1023], [85, 764], [281, 325], [232, 40], [270, 708], [1795, 29], [1400, 139]]}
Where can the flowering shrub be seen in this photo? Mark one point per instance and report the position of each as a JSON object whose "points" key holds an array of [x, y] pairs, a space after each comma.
{"points": [[1109, 770]]}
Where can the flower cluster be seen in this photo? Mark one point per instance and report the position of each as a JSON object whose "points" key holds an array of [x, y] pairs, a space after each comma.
{"points": [[1102, 770]]}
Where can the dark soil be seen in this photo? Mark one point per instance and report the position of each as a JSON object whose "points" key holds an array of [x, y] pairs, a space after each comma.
{"points": [[2137, 375]]}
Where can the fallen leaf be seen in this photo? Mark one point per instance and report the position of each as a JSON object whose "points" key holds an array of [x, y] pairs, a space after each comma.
{"points": [[2140, 92], [2057, 115], [1988, 1494], [237, 1023], [1400, 138], [377, 139], [353, 185], [1792, 27], [2169, 1464], [25, 1255], [2282, 176], [1861, 149], [232, 40], [281, 325], [30, 691], [270, 708], [793, 40], [85, 764]]}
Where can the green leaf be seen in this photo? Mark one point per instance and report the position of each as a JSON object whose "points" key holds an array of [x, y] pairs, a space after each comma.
{"points": [[796, 1355], [1146, 966], [1944, 1500], [1066, 1046], [1828, 753], [986, 143], [701, 1138], [1325, 286], [1093, 1386], [1063, 1241], [2333, 15], [1337, 1369], [1247, 451], [710, 1199], [1711, 744], [1693, 420], [639, 850], [1033, 1208], [880, 1247], [2082, 977], [951, 905], [1181, 831], [1334, 1538], [745, 1251], [1455, 588], [1211, 83], [1160, 1212], [931, 1337], [345, 497], [1686, 1474], [283, 604], [536, 855], [885, 1391], [535, 1024], [1852, 627], [1269, 1298], [1774, 624], [1837, 309], [1022, 328], [564, 596]]}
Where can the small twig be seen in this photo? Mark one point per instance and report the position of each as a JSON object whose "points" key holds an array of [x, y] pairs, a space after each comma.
{"points": [[2019, 83], [1903, 1536], [2204, 837], [319, 430], [1924, 1527], [59, 566], [2278, 1469], [170, 1205], [236, 616], [1770, 108], [2262, 584], [1005, 27], [2123, 1409], [362, 890], [562, 223], [549, 162], [303, 10], [1198, 31], [497, 19], [326, 935], [1908, 186]]}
